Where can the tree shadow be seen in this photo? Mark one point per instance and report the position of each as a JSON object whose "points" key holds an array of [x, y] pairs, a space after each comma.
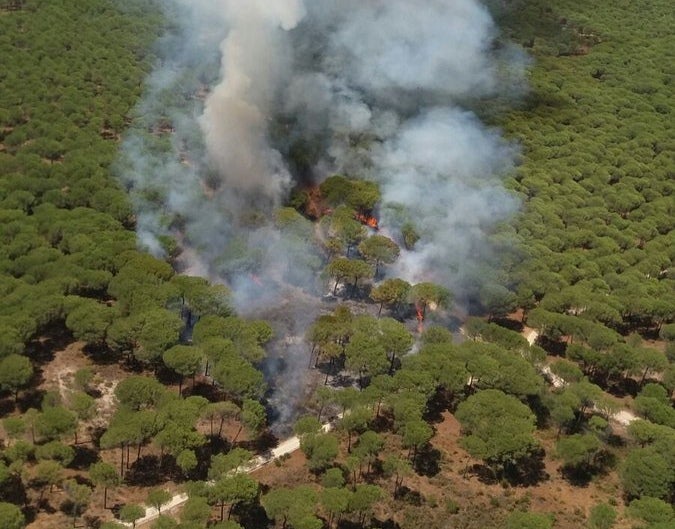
{"points": [[94, 393], [95, 434], [7, 405], [615, 441], [552, 347], [581, 475], [30, 513], [92, 521], [147, 470], [262, 443], [43, 505], [483, 473], [217, 445], [407, 495], [31, 398], [373, 523], [84, 457], [168, 377], [436, 405], [382, 423], [204, 388], [53, 338], [624, 387], [254, 516], [13, 491], [341, 380], [508, 323], [427, 461], [82, 480], [541, 412], [68, 508], [358, 293], [101, 354], [528, 471]]}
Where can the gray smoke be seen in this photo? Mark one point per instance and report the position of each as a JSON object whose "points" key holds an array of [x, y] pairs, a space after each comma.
{"points": [[256, 62], [377, 89]]}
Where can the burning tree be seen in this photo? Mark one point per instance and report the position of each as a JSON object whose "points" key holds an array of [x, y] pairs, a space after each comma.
{"points": [[359, 195], [368, 220], [346, 228], [431, 295]]}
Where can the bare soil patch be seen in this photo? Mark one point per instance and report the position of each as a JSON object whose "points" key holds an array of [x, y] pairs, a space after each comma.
{"points": [[430, 501]]}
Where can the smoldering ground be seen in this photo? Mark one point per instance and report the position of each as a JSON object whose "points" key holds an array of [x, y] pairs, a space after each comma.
{"points": [[380, 89]]}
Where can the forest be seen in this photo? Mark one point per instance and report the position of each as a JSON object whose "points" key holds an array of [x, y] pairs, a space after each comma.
{"points": [[135, 395]]}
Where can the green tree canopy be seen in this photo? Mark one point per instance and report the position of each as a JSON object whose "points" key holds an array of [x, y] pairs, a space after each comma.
{"points": [[429, 295], [646, 472], [104, 475], [392, 292], [320, 450], [11, 516], [15, 372], [130, 513], [498, 427], [138, 392], [158, 497], [56, 422], [379, 250], [528, 520], [186, 360], [602, 516], [233, 490], [292, 506]]}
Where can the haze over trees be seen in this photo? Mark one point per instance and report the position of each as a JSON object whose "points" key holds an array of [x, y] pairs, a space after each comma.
{"points": [[588, 260]]}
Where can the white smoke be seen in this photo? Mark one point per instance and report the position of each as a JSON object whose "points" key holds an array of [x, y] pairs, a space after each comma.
{"points": [[380, 88], [255, 63], [441, 166], [377, 89], [388, 46]]}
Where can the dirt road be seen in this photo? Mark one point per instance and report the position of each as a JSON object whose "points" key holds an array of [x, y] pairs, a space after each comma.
{"points": [[288, 446], [623, 417]]}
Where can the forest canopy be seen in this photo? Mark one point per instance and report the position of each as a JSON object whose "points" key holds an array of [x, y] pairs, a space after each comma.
{"points": [[518, 419]]}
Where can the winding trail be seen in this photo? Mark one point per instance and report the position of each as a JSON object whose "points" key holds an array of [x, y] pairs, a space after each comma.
{"points": [[623, 417], [290, 445], [286, 447]]}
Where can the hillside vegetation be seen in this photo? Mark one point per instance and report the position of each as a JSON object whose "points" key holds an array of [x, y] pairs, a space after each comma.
{"points": [[124, 382], [597, 169]]}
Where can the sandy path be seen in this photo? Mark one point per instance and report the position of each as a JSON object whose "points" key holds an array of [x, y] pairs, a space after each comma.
{"points": [[288, 446], [292, 444], [623, 417]]}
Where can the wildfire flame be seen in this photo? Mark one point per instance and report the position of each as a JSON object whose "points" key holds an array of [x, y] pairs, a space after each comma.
{"points": [[420, 318], [315, 207], [256, 280], [367, 220]]}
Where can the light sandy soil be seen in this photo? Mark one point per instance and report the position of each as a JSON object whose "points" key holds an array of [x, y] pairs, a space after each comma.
{"points": [[284, 448], [623, 417], [448, 428], [58, 374]]}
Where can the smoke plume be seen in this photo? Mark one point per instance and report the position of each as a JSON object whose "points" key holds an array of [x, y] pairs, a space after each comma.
{"points": [[377, 89]]}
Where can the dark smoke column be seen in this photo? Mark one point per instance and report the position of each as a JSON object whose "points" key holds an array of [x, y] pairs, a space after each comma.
{"points": [[256, 62]]}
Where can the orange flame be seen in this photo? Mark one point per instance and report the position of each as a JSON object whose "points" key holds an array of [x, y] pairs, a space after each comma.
{"points": [[314, 207], [368, 220], [420, 318], [256, 280]]}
